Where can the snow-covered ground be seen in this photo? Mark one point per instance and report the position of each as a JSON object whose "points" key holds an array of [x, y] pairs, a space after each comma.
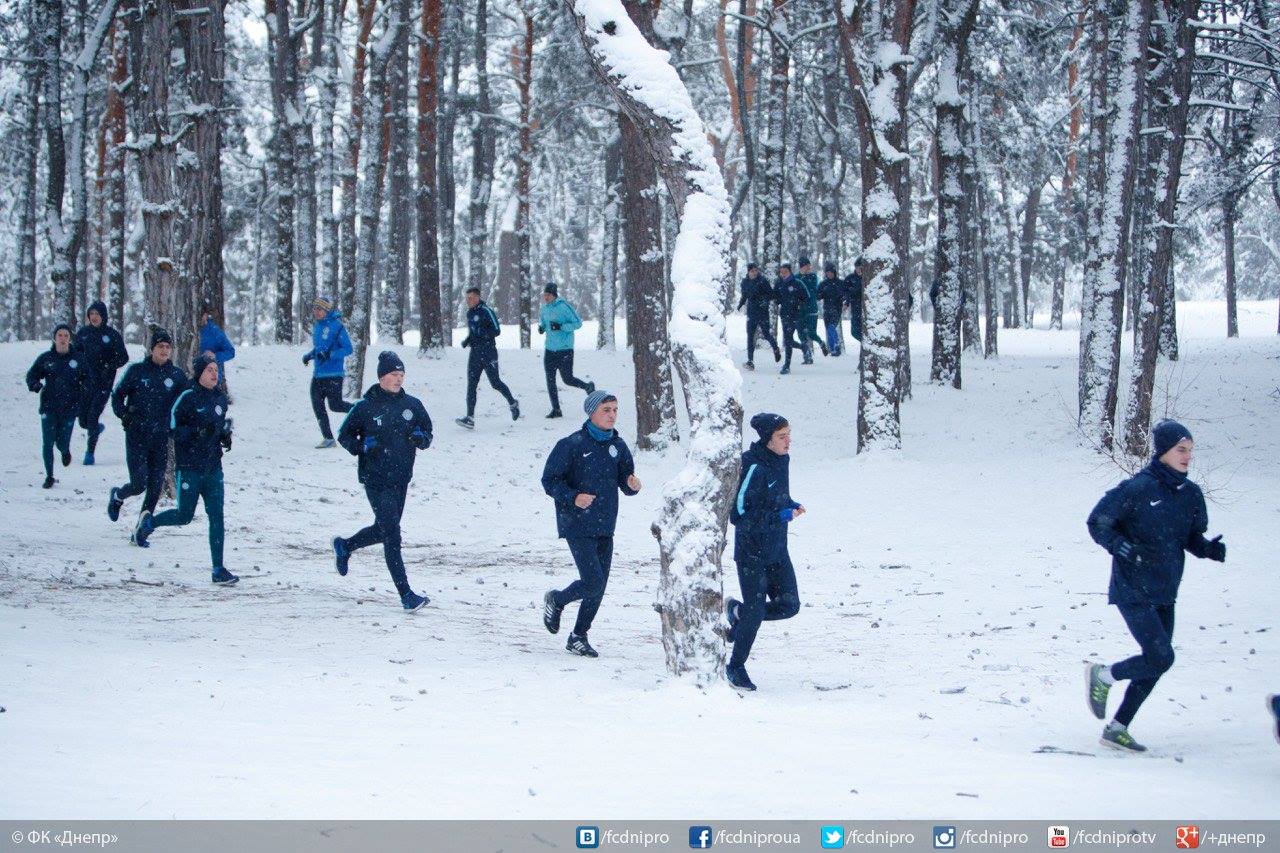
{"points": [[951, 594]]}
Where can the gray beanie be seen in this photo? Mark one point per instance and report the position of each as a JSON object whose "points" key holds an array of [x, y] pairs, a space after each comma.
{"points": [[594, 399]]}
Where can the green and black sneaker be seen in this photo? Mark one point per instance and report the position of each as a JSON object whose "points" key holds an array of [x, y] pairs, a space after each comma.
{"points": [[1117, 736], [1096, 689]]}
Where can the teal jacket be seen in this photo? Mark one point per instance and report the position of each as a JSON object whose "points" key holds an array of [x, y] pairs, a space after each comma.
{"points": [[561, 312], [810, 282]]}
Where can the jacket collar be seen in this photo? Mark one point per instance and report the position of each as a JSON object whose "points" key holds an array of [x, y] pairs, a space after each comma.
{"points": [[1165, 475]]}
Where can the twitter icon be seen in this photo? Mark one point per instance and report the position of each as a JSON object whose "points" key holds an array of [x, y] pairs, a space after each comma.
{"points": [[832, 837]]}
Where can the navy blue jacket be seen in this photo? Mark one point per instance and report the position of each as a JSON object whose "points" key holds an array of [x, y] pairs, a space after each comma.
{"points": [[103, 350], [61, 379], [482, 330], [757, 293], [389, 419], [197, 423], [143, 401], [833, 294], [579, 463], [1163, 513], [792, 296], [764, 491]]}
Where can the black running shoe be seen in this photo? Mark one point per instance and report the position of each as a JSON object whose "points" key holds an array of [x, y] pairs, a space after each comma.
{"points": [[551, 612], [578, 645]]}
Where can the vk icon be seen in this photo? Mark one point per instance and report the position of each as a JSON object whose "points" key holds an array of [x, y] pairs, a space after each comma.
{"points": [[701, 837], [832, 837], [944, 837], [589, 836]]}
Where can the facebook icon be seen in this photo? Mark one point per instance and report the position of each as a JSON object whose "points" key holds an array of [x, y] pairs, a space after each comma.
{"points": [[700, 837]]}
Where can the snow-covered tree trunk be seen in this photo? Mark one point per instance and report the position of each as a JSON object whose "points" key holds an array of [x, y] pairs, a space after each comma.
{"points": [[482, 156], [373, 154], [691, 527], [204, 41], [1027, 243], [115, 120], [351, 168], [982, 272], [1115, 107], [284, 70], [427, 252], [447, 185], [524, 168], [27, 313], [155, 146], [874, 39], [605, 337], [1169, 105], [774, 145], [949, 103], [391, 320], [49, 30], [1066, 208]]}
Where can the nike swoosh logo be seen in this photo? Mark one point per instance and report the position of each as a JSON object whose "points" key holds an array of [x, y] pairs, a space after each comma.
{"points": [[772, 484], [1153, 503], [585, 455], [201, 409]]}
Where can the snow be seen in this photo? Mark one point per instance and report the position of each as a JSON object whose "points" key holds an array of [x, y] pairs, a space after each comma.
{"points": [[961, 561]]}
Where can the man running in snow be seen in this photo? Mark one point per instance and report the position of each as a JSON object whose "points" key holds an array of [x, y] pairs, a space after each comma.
{"points": [[853, 295], [792, 299], [60, 377], [558, 321], [583, 475], [809, 326], [201, 432], [102, 350], [215, 344], [760, 515], [483, 329], [757, 293], [832, 292], [143, 401], [1146, 523], [385, 429], [330, 346]]}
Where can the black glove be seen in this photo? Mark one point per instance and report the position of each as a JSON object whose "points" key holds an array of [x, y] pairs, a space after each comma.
{"points": [[555, 327], [126, 421], [224, 436], [35, 386], [1131, 553], [306, 359], [466, 342], [1216, 549], [541, 330], [420, 439]]}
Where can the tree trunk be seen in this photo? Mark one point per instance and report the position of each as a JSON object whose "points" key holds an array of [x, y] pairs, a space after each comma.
{"points": [[115, 188], [949, 105], [482, 156], [204, 41], [524, 166], [27, 313], [605, 337], [1027, 245], [447, 184], [1170, 101], [1065, 205], [351, 169], [373, 153], [982, 269], [61, 275], [284, 69], [877, 74], [1113, 141], [430, 320], [400, 196], [155, 168], [1230, 213], [771, 192], [690, 529]]}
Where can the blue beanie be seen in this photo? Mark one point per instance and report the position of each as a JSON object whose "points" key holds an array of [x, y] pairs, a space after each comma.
{"points": [[1166, 434], [766, 424], [198, 365], [595, 399], [389, 362]]}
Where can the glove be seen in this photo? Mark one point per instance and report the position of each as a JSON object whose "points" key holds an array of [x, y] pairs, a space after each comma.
{"points": [[420, 439], [541, 330], [306, 359], [786, 514], [224, 436], [555, 327], [1131, 553], [126, 421], [35, 386], [370, 443], [1216, 549], [466, 342]]}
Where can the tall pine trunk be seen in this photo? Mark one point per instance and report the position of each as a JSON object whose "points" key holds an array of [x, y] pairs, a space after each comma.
{"points": [[605, 334], [27, 313], [524, 167], [482, 156], [284, 69], [430, 318]]}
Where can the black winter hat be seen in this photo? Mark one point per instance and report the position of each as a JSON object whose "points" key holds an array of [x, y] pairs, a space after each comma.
{"points": [[198, 364], [389, 362], [752, 266], [831, 268], [804, 260], [59, 328], [1166, 434], [159, 336], [551, 288], [100, 307], [766, 424]]}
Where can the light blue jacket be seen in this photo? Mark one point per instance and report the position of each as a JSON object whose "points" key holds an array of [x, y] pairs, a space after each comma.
{"points": [[559, 340], [329, 335]]}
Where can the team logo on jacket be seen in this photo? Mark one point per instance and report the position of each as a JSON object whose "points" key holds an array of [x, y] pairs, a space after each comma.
{"points": [[613, 451], [217, 410], [407, 415], [324, 333], [106, 339], [168, 382], [74, 365]]}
